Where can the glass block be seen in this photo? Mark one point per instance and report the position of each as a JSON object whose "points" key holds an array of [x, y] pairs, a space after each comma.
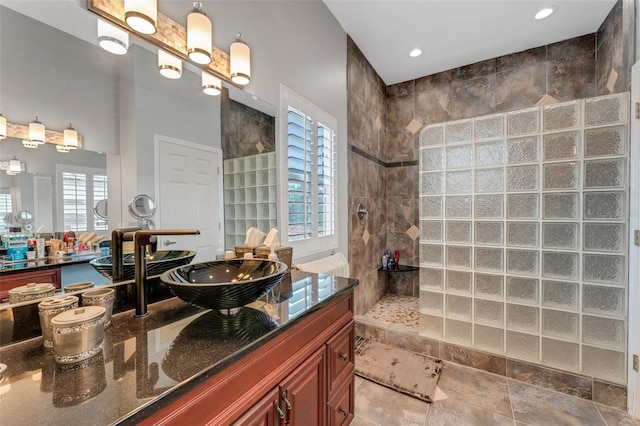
{"points": [[489, 233], [430, 207], [603, 268], [459, 257], [522, 178], [522, 346], [458, 157], [561, 354], [458, 307], [459, 282], [561, 116], [560, 146], [431, 183], [522, 206], [561, 205], [522, 290], [431, 231], [605, 173], [488, 259], [523, 122], [604, 237], [604, 364], [431, 159], [560, 175], [432, 135], [459, 182], [523, 318], [523, 262], [458, 232], [431, 303], [560, 265], [604, 205], [431, 279], [602, 331], [490, 286], [458, 332], [560, 235], [560, 324], [431, 326], [601, 300], [523, 150], [489, 338], [430, 255], [560, 294], [522, 234], [489, 180], [489, 154], [605, 141], [459, 131], [489, 127], [489, 312], [603, 110], [457, 206], [489, 206]]}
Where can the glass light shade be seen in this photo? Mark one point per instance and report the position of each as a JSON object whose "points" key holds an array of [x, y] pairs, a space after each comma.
{"points": [[70, 138], [36, 131], [199, 35], [240, 65], [14, 167], [169, 65], [62, 149], [211, 85], [112, 39], [141, 15], [3, 127]]}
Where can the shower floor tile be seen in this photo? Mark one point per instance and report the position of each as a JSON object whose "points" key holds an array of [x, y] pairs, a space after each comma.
{"points": [[395, 309]]}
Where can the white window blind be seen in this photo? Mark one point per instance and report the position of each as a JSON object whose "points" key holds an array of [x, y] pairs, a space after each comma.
{"points": [[99, 194], [299, 175], [5, 208], [79, 189]]}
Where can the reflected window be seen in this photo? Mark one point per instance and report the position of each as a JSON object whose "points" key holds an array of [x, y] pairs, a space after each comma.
{"points": [[5, 208], [79, 189]]}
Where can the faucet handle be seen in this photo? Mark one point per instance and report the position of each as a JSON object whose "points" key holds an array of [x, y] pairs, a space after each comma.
{"points": [[168, 243]]}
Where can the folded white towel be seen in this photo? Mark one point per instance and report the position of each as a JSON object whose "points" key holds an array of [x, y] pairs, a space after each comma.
{"points": [[335, 264]]}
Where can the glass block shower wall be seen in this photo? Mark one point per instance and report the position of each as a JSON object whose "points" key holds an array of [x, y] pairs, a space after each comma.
{"points": [[523, 234]]}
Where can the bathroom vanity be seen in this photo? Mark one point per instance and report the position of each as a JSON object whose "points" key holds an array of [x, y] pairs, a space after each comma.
{"points": [[286, 357]]}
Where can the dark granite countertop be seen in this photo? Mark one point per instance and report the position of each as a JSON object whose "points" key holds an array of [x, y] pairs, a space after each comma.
{"points": [[47, 262], [147, 361]]}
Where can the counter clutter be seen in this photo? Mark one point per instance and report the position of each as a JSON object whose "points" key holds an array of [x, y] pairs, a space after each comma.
{"points": [[148, 364]]}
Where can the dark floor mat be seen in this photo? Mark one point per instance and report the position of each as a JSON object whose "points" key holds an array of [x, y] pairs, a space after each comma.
{"points": [[404, 371]]}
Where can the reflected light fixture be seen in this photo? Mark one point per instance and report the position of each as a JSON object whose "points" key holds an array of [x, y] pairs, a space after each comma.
{"points": [[36, 134], [3, 127], [62, 149], [199, 35], [240, 57], [544, 13], [141, 15], [211, 85], [14, 167], [70, 138], [112, 39], [169, 65]]}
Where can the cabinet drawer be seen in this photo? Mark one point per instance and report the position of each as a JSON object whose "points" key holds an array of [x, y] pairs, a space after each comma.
{"points": [[341, 406], [10, 281], [340, 348]]}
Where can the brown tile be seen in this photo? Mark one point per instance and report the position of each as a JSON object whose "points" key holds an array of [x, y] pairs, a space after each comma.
{"points": [[432, 98], [613, 17], [521, 59], [402, 242], [472, 358], [399, 112], [576, 46], [616, 417], [357, 167], [412, 342], [520, 88], [550, 379], [370, 331], [401, 182], [401, 216], [399, 146], [610, 394], [384, 406], [479, 69], [399, 283], [572, 77], [472, 98], [366, 293], [448, 412], [355, 82], [400, 89], [604, 57]]}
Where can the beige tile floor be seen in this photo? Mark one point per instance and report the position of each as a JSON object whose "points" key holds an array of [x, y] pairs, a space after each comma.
{"points": [[466, 396]]}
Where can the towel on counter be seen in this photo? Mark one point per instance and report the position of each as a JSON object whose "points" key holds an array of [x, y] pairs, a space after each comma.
{"points": [[335, 264]]}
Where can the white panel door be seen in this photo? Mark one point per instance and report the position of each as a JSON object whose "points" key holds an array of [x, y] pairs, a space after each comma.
{"points": [[189, 196]]}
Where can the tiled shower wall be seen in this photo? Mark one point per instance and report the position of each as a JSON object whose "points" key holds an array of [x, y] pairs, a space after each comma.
{"points": [[523, 234]]}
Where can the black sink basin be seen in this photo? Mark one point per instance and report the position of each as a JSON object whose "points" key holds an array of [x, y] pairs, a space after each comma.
{"points": [[159, 262]]}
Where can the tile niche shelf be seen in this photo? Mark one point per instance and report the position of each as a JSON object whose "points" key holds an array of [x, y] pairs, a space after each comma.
{"points": [[249, 196]]}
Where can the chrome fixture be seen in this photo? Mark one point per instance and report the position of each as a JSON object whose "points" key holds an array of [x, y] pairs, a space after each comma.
{"points": [[362, 212]]}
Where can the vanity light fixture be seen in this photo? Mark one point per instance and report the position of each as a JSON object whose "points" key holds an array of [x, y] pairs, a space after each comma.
{"points": [[544, 13], [211, 85], [36, 134], [70, 138], [62, 149], [141, 15], [15, 167], [112, 39], [240, 61], [3, 127], [415, 53], [169, 65], [199, 35]]}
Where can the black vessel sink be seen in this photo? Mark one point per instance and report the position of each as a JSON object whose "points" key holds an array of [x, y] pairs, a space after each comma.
{"points": [[159, 262]]}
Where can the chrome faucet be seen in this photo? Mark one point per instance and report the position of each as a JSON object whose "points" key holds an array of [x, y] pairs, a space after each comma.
{"points": [[142, 239]]}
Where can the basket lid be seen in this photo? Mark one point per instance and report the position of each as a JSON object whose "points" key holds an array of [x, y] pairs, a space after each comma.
{"points": [[32, 289], [78, 316], [58, 302]]}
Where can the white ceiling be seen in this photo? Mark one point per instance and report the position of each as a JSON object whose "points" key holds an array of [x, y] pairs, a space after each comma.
{"points": [[453, 33]]}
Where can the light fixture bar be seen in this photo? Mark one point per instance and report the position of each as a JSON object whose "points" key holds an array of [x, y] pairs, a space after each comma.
{"points": [[3, 127], [70, 138], [21, 132], [240, 67]]}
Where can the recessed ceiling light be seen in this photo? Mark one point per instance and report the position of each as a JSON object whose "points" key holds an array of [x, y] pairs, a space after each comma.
{"points": [[415, 53], [544, 13]]}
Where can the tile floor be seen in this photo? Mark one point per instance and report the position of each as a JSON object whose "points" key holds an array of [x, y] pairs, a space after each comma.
{"points": [[466, 396]]}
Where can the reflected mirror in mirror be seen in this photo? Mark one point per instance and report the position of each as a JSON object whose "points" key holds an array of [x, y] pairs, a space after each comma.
{"points": [[101, 209], [24, 217]]}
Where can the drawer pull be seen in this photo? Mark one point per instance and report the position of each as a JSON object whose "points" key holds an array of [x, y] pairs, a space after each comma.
{"points": [[286, 401], [278, 410], [343, 356]]}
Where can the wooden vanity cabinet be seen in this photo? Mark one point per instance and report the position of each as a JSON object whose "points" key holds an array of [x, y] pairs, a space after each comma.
{"points": [[13, 280]]}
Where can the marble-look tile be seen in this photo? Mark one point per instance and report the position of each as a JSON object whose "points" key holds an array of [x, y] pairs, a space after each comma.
{"points": [[365, 294], [378, 216], [356, 130], [610, 394], [400, 183], [357, 168], [432, 98], [399, 112], [478, 388], [355, 82], [448, 412], [613, 17], [520, 88], [375, 178], [576, 46], [572, 77], [604, 57], [521, 59], [400, 89], [536, 406], [472, 98], [361, 421], [370, 329], [402, 242], [615, 417], [473, 358], [402, 214], [479, 69], [548, 378], [399, 146], [399, 283], [387, 407], [357, 225], [412, 341]]}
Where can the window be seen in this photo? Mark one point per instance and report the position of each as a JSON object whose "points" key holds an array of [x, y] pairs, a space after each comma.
{"points": [[308, 214], [5, 208], [80, 188]]}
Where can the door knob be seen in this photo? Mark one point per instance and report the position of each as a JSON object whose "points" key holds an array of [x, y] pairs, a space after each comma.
{"points": [[167, 243]]}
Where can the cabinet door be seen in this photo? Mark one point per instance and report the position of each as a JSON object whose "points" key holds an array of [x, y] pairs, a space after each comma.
{"points": [[341, 405], [10, 281], [263, 413], [303, 392]]}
